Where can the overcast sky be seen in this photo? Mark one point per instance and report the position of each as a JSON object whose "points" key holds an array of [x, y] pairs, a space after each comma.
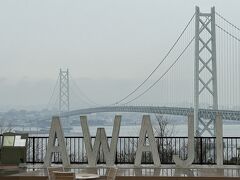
{"points": [[101, 40]]}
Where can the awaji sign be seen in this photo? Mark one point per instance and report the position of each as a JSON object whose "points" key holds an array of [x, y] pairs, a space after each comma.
{"points": [[109, 149]]}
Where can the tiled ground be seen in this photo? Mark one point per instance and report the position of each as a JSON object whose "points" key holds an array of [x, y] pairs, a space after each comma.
{"points": [[131, 171]]}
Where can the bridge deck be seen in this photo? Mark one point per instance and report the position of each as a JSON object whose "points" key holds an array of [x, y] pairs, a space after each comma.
{"points": [[203, 113]]}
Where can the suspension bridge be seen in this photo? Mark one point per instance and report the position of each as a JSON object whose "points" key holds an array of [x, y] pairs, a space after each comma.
{"points": [[199, 73]]}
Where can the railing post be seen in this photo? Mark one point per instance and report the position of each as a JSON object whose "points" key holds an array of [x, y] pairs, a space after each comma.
{"points": [[33, 139], [201, 153]]}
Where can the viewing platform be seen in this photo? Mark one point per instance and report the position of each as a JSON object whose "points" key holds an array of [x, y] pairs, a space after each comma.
{"points": [[126, 172], [204, 166]]}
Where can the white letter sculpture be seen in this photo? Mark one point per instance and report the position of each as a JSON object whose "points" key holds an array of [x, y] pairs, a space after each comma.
{"points": [[56, 132], [186, 163], [101, 139], [146, 129]]}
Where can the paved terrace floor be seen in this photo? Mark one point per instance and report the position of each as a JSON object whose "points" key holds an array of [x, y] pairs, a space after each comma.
{"points": [[126, 172]]}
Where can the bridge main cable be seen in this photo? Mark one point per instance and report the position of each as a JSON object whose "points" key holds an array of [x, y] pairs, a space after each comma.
{"points": [[227, 21], [170, 67], [165, 57]]}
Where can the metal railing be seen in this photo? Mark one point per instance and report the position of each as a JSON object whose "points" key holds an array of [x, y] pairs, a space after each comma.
{"points": [[127, 146], [126, 149]]}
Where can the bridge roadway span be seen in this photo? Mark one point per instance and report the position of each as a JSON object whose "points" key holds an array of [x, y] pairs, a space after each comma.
{"points": [[203, 113]]}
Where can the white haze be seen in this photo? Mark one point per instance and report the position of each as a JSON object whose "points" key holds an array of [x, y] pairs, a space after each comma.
{"points": [[108, 46]]}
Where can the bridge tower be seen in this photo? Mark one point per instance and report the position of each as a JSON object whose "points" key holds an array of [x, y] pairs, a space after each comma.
{"points": [[205, 69], [63, 92]]}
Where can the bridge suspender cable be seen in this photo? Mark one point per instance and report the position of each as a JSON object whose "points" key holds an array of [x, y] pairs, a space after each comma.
{"points": [[229, 62], [165, 57], [150, 87], [53, 92], [91, 102]]}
